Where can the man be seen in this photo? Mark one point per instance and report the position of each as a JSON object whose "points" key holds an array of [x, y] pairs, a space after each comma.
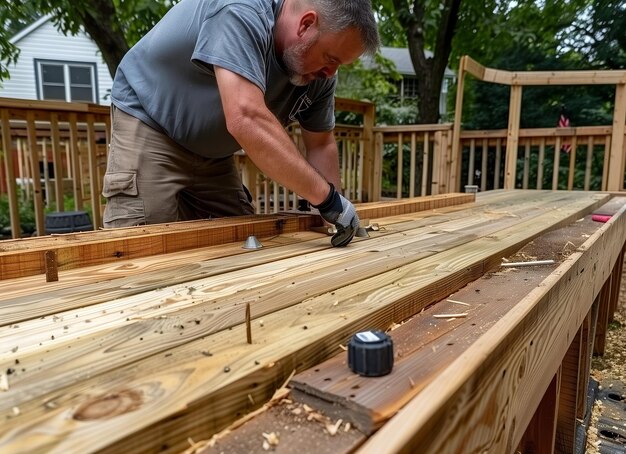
{"points": [[216, 76]]}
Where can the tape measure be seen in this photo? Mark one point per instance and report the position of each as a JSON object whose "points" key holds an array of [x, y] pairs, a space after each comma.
{"points": [[370, 353]]}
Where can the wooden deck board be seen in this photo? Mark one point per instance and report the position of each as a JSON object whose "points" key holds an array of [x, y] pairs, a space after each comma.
{"points": [[512, 364], [498, 290], [24, 258], [424, 346], [116, 384], [46, 299]]}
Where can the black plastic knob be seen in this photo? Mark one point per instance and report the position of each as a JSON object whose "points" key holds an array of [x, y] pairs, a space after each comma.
{"points": [[370, 353]]}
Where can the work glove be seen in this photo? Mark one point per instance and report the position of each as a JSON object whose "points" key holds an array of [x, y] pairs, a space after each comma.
{"points": [[338, 210]]}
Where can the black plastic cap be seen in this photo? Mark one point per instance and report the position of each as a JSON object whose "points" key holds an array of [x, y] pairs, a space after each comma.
{"points": [[370, 353]]}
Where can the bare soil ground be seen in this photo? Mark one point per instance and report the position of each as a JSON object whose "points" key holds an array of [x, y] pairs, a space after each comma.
{"points": [[610, 367]]}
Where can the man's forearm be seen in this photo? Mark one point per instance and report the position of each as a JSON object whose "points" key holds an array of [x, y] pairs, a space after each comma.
{"points": [[265, 140]]}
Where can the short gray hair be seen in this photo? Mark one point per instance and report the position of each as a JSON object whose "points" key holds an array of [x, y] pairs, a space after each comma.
{"points": [[338, 15]]}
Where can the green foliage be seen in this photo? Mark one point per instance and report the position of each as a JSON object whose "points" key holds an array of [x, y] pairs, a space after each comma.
{"points": [[26, 212], [374, 81], [599, 34]]}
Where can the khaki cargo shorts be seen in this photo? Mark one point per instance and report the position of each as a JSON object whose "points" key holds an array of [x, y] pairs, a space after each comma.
{"points": [[150, 179]]}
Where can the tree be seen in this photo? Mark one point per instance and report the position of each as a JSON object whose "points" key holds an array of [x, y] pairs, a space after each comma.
{"points": [[599, 34], [432, 25], [541, 36], [114, 25]]}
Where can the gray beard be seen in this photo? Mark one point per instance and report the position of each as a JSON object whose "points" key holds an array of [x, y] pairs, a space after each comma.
{"points": [[292, 58]]}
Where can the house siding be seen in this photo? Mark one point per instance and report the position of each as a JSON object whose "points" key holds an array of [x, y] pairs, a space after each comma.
{"points": [[47, 43]]}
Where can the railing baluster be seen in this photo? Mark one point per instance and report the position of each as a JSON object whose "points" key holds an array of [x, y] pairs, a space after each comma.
{"points": [[540, 162], [472, 157], [588, 163], [93, 177], [557, 158], [412, 166], [496, 173], [57, 163], [77, 184], [526, 164], [425, 164], [605, 164], [400, 169], [35, 172], [483, 166], [572, 164], [7, 147]]}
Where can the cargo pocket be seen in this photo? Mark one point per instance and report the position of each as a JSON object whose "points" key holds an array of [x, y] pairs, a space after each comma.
{"points": [[123, 208], [119, 183]]}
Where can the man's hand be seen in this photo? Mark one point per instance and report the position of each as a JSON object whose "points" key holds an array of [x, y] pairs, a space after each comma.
{"points": [[338, 210]]}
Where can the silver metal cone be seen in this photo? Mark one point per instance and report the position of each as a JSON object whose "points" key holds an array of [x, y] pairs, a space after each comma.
{"points": [[252, 243]]}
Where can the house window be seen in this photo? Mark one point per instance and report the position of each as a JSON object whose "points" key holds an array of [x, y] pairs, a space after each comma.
{"points": [[409, 87], [66, 81]]}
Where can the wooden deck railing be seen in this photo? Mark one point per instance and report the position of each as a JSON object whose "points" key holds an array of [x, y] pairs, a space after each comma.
{"points": [[551, 158], [57, 149], [51, 149]]}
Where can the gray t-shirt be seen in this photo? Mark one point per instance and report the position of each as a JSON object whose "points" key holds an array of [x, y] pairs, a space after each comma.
{"points": [[167, 79]]}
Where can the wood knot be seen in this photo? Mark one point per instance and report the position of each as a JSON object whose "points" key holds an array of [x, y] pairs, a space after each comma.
{"points": [[109, 405]]}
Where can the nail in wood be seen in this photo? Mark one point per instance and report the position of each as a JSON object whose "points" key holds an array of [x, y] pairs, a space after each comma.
{"points": [[248, 324], [52, 272]]}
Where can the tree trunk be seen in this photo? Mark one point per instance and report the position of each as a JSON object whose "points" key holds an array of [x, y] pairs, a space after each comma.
{"points": [[429, 70], [101, 25]]}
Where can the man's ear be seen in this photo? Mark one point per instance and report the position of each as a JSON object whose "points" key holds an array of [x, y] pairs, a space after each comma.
{"points": [[307, 20]]}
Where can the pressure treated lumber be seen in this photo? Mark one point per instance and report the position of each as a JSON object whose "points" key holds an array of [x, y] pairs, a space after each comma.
{"points": [[513, 363], [492, 291], [178, 391], [116, 319], [314, 272], [22, 258], [425, 345], [122, 243], [42, 300]]}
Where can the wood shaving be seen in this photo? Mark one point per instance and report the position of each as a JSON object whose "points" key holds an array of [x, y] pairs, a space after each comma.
{"points": [[271, 438], [333, 428], [4, 382], [280, 395], [459, 315], [458, 302], [314, 416], [393, 326]]}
